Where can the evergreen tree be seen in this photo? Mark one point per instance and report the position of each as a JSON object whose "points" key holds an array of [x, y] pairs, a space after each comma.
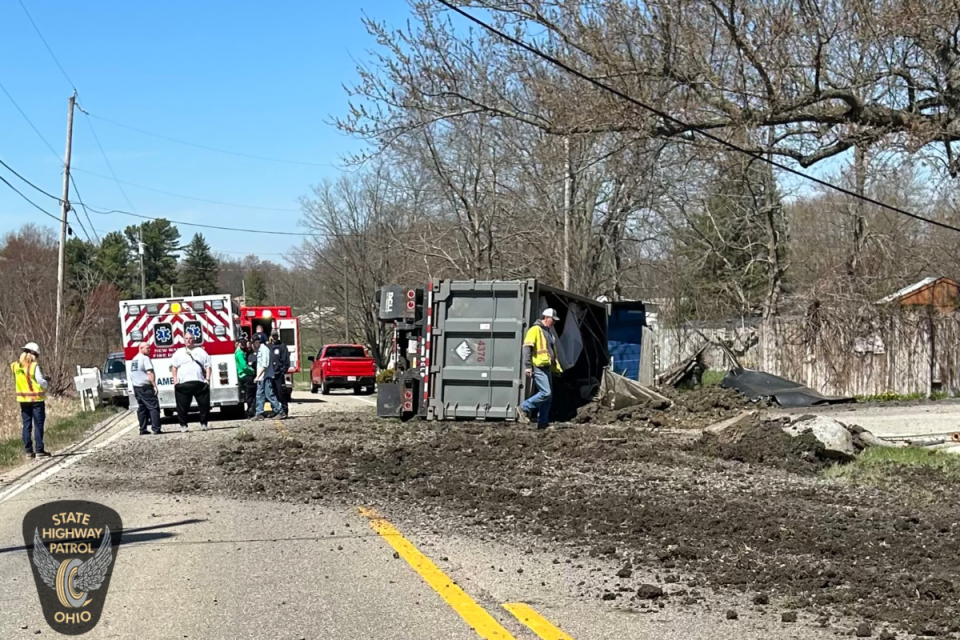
{"points": [[199, 270], [113, 263], [256, 289], [161, 244]]}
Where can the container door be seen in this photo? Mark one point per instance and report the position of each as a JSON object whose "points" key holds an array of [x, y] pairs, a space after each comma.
{"points": [[476, 348]]}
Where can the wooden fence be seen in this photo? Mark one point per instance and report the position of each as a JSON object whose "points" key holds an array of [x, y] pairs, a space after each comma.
{"points": [[900, 350]]}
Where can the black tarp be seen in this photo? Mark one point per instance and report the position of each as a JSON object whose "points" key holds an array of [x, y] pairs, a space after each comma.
{"points": [[757, 385]]}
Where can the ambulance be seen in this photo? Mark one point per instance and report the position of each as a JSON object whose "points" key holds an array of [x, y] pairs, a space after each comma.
{"points": [[162, 322], [268, 319]]}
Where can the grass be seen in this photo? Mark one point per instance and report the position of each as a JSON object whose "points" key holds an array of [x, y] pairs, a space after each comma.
{"points": [[877, 464], [59, 431], [712, 377], [891, 396]]}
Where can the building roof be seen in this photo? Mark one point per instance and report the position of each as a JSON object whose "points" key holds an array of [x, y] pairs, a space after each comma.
{"points": [[914, 288]]}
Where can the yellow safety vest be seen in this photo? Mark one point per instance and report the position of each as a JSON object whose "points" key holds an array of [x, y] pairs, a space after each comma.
{"points": [[537, 339], [27, 388]]}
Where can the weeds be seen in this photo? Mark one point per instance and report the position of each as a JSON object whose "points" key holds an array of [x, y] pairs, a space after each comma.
{"points": [[244, 436]]}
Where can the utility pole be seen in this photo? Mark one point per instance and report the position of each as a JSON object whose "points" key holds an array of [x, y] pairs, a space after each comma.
{"points": [[143, 279], [567, 206], [64, 210]]}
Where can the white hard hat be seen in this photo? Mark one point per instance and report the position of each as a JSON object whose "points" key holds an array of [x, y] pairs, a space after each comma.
{"points": [[549, 312], [32, 347]]}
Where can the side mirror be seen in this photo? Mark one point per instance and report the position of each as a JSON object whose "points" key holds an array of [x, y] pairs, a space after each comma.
{"points": [[310, 358]]}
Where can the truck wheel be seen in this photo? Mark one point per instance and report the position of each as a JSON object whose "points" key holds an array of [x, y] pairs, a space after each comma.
{"points": [[168, 413], [325, 388], [369, 391], [314, 388], [357, 390]]}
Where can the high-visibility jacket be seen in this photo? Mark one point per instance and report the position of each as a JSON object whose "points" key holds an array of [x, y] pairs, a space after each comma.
{"points": [[28, 389], [541, 355]]}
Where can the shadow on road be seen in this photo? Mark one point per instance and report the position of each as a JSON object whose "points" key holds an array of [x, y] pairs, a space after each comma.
{"points": [[130, 536]]}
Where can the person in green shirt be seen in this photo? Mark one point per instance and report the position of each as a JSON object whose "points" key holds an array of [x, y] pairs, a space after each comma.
{"points": [[245, 376]]}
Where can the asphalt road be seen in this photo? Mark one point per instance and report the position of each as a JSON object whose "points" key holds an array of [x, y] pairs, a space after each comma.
{"points": [[202, 567]]}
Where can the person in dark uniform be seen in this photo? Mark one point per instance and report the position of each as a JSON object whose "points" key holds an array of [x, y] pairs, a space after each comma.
{"points": [[143, 379], [280, 359]]}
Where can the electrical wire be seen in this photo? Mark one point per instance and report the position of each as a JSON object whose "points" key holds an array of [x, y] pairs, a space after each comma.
{"points": [[44, 40], [105, 158], [35, 205], [30, 122], [83, 206], [211, 226], [214, 149], [14, 172], [666, 116], [186, 197]]}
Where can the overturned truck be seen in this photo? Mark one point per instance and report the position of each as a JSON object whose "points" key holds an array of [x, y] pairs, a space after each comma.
{"points": [[458, 343]]}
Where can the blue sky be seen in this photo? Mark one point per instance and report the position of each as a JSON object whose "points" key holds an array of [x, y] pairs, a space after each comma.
{"points": [[250, 77]]}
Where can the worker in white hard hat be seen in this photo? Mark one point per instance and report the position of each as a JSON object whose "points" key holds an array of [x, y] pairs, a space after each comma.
{"points": [[31, 394], [540, 362]]}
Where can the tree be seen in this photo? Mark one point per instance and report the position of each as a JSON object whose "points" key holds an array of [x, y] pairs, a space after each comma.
{"points": [[161, 244], [256, 289], [113, 264], [199, 270]]}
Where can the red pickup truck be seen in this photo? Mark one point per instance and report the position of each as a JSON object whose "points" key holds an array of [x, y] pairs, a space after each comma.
{"points": [[342, 366]]}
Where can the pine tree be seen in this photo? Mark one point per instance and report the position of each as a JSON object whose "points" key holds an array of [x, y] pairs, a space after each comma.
{"points": [[256, 289], [161, 244], [112, 260], [199, 270]]}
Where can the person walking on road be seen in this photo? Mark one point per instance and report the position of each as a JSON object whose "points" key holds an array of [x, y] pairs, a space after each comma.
{"points": [[280, 359], [246, 373], [143, 379], [264, 378], [31, 395], [540, 362], [191, 367]]}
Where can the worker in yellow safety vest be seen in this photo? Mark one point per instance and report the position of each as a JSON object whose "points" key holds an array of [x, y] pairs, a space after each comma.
{"points": [[540, 362], [31, 391]]}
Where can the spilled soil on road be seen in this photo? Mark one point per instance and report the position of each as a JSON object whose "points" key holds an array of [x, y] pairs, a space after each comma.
{"points": [[755, 515]]}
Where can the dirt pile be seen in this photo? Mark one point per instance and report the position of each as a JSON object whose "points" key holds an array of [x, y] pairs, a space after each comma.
{"points": [[728, 514], [693, 409], [764, 442]]}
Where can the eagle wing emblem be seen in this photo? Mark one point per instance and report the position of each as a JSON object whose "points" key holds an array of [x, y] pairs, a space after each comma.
{"points": [[45, 563], [91, 573]]}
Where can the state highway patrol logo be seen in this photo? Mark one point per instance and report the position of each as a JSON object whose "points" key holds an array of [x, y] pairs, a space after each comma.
{"points": [[72, 546]]}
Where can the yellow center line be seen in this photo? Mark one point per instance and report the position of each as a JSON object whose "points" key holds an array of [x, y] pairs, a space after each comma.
{"points": [[476, 616], [536, 622]]}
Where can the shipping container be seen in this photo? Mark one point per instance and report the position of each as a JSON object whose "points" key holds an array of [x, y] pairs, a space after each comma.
{"points": [[473, 338]]}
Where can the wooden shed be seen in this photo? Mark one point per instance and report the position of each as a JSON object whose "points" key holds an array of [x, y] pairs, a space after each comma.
{"points": [[942, 293]]}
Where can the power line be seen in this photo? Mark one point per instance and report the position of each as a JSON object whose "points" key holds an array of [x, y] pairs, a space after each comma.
{"points": [[35, 205], [83, 206], [677, 121], [211, 226], [186, 197], [14, 172], [214, 149], [49, 50], [30, 122], [105, 159]]}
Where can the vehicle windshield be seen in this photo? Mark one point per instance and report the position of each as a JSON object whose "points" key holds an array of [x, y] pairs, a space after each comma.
{"points": [[114, 366], [345, 352]]}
